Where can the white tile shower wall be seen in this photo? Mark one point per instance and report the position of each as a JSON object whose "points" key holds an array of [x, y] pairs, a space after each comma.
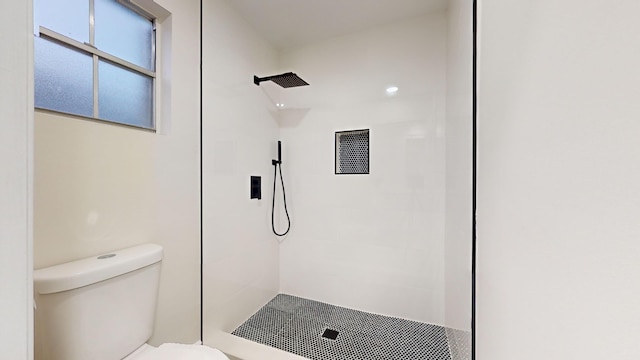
{"points": [[16, 130], [370, 242], [240, 133], [100, 187], [459, 342], [558, 175], [459, 151]]}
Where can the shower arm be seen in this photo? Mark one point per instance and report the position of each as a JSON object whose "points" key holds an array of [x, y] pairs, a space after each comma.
{"points": [[258, 80]]}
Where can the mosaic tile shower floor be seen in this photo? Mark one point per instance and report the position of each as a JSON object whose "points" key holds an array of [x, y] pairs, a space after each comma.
{"points": [[296, 325]]}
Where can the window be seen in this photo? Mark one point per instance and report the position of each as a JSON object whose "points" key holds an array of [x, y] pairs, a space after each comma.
{"points": [[95, 58], [352, 152]]}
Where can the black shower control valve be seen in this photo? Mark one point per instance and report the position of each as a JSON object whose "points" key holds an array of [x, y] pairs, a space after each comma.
{"points": [[256, 187]]}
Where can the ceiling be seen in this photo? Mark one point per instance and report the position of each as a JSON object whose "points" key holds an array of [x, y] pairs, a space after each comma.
{"points": [[291, 23]]}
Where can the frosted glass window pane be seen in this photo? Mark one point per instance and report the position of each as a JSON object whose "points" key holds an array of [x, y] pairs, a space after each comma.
{"points": [[124, 96], [67, 17], [124, 33], [63, 78]]}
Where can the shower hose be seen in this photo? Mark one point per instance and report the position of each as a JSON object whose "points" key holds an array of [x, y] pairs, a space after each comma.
{"points": [[284, 198]]}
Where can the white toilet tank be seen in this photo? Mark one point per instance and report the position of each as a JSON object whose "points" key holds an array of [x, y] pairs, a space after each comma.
{"points": [[98, 308]]}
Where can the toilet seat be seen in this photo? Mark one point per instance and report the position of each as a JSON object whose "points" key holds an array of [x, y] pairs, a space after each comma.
{"points": [[171, 351]]}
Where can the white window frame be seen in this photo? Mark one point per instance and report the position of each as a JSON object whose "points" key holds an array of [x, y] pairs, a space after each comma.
{"points": [[98, 54]]}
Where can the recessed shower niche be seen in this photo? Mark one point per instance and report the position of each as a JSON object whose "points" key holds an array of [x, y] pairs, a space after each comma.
{"points": [[388, 246], [352, 152]]}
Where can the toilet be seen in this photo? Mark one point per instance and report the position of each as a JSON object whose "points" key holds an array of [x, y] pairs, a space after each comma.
{"points": [[103, 308]]}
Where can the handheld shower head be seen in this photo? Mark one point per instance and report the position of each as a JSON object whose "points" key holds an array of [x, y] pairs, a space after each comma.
{"points": [[279, 161], [285, 80]]}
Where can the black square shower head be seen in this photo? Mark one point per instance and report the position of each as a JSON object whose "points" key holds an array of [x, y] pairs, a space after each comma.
{"points": [[285, 80]]}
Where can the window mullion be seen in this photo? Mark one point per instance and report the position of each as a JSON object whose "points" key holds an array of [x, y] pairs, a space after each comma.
{"points": [[92, 42], [154, 48], [96, 103], [155, 89]]}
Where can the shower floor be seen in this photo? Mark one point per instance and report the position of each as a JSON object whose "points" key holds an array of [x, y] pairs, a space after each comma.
{"points": [[306, 328]]}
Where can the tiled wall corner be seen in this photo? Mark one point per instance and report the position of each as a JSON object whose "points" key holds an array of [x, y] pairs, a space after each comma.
{"points": [[459, 344]]}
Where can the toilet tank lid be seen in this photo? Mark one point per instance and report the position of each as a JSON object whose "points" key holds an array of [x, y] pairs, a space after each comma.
{"points": [[83, 272]]}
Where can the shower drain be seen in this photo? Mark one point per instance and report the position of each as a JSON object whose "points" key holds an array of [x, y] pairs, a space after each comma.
{"points": [[330, 334]]}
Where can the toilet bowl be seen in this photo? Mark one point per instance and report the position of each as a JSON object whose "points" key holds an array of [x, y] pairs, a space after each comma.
{"points": [[103, 308]]}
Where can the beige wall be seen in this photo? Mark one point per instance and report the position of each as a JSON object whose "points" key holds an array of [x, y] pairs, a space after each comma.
{"points": [[93, 188], [100, 187], [558, 174], [16, 127]]}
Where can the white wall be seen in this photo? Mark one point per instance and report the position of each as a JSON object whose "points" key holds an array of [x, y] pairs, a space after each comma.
{"points": [[558, 175], [458, 165], [16, 128], [372, 242], [100, 187], [239, 131], [177, 193]]}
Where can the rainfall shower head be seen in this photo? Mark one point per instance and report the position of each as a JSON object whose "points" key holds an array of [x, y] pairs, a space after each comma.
{"points": [[285, 80]]}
